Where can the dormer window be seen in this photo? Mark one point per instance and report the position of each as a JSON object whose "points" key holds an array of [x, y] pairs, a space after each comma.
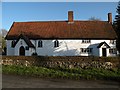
{"points": [[56, 43], [86, 41], [12, 43], [40, 43]]}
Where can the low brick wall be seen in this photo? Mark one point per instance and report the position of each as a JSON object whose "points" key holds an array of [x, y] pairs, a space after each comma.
{"points": [[66, 62]]}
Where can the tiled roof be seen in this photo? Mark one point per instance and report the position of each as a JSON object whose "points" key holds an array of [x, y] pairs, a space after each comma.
{"points": [[63, 30]]}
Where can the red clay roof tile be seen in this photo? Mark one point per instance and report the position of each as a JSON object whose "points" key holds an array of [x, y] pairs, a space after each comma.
{"points": [[61, 29]]}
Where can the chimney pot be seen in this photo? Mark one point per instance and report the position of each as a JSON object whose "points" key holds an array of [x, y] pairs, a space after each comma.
{"points": [[110, 18], [70, 17]]}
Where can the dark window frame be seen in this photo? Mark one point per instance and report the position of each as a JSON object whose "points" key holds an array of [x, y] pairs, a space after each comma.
{"points": [[13, 43], [27, 48], [86, 41], [112, 51], [112, 42], [86, 50], [40, 43], [56, 43]]}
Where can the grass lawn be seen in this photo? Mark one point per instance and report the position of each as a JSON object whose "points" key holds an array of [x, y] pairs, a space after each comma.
{"points": [[64, 73]]}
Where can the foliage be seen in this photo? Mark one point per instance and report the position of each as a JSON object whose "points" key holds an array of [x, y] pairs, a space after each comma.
{"points": [[3, 33], [65, 73], [116, 25], [94, 19], [3, 42]]}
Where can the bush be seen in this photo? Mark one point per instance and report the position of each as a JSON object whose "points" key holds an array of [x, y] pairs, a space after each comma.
{"points": [[74, 73]]}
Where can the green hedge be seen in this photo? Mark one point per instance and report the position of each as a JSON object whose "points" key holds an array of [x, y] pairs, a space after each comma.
{"points": [[76, 73]]}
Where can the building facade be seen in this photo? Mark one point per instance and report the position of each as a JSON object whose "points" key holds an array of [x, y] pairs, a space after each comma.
{"points": [[62, 38]]}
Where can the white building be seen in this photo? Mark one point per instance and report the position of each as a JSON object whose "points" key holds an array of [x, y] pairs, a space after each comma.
{"points": [[62, 38]]}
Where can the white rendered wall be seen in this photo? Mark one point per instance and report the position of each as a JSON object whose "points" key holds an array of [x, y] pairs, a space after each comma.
{"points": [[15, 51], [27, 52], [66, 48], [69, 48], [10, 50]]}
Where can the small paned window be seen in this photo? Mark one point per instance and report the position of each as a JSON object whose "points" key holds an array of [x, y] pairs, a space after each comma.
{"points": [[27, 48], [56, 43], [112, 51], [40, 43], [12, 43], [86, 41], [86, 50], [112, 42]]}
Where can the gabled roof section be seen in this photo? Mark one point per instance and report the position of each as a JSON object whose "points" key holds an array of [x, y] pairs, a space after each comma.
{"points": [[102, 44], [28, 42], [62, 30]]}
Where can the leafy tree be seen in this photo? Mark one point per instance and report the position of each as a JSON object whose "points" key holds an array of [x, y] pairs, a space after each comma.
{"points": [[116, 25], [94, 19]]}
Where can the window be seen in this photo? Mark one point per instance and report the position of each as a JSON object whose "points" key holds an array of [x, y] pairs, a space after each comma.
{"points": [[56, 43], [12, 43], [86, 41], [40, 43], [86, 50], [27, 48], [112, 42], [112, 51], [21, 42]]}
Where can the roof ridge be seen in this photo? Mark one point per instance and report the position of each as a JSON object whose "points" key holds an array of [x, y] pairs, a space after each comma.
{"points": [[61, 21]]}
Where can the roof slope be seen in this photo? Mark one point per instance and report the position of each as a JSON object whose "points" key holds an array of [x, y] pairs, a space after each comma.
{"points": [[102, 44], [62, 30], [28, 42]]}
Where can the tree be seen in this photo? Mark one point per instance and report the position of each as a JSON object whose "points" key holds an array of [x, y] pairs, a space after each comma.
{"points": [[3, 33], [116, 26], [94, 19]]}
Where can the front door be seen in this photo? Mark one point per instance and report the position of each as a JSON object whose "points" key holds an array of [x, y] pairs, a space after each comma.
{"points": [[104, 52], [22, 51]]}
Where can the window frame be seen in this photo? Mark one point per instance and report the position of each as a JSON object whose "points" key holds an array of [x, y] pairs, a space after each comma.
{"points": [[56, 43], [86, 50], [27, 48], [112, 42], [86, 41], [12, 43], [112, 51], [40, 43]]}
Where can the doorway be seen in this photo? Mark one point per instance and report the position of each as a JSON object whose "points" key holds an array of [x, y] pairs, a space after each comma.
{"points": [[104, 52], [22, 51]]}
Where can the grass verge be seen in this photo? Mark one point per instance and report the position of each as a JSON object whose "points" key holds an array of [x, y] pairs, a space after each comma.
{"points": [[64, 73]]}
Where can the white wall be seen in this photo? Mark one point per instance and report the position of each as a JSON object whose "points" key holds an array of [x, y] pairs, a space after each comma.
{"points": [[10, 50], [69, 48], [66, 48], [15, 51]]}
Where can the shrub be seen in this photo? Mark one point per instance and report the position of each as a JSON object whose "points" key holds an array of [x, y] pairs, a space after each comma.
{"points": [[74, 73]]}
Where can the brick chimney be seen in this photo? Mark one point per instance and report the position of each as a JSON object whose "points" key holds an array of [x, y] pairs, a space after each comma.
{"points": [[70, 17], [110, 18]]}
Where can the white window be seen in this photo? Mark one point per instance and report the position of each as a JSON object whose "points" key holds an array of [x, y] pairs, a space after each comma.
{"points": [[112, 51], [86, 41], [86, 50]]}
